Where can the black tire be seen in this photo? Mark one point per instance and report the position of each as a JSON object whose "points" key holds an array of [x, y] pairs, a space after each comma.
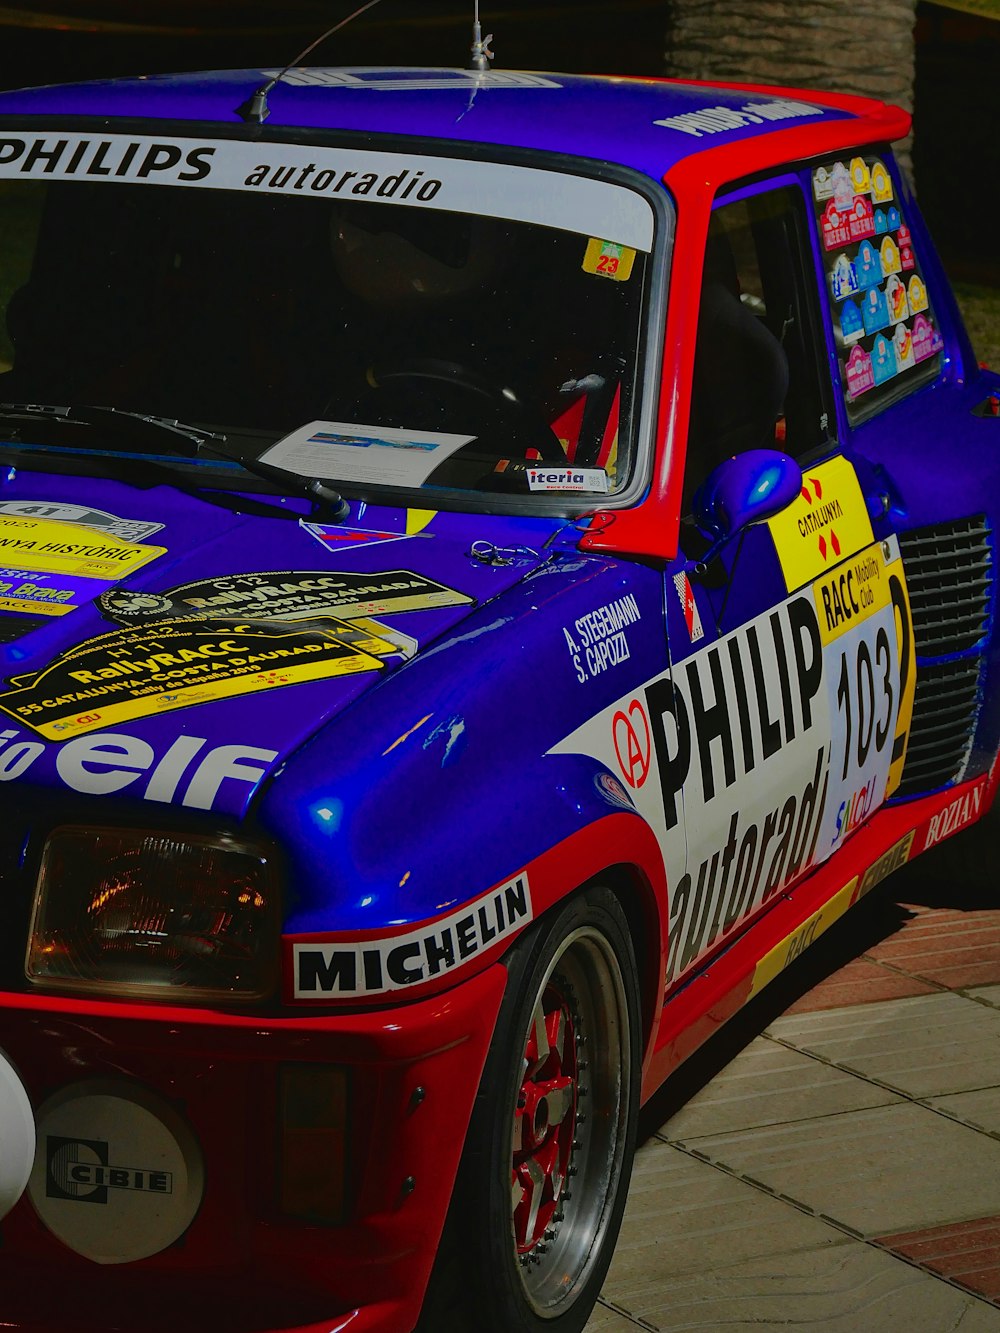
{"points": [[542, 1185]]}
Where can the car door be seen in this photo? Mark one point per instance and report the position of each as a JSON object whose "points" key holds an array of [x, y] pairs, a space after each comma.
{"points": [[782, 724]]}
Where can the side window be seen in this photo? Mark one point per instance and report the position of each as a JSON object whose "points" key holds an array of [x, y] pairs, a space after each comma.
{"points": [[883, 321], [759, 380]]}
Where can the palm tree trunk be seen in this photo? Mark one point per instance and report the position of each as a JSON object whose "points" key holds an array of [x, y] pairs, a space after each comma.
{"points": [[822, 44]]}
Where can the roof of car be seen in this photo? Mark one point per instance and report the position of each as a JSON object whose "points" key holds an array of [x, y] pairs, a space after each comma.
{"points": [[648, 124]]}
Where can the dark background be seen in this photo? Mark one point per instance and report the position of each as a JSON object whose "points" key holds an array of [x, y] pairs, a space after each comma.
{"points": [[956, 153]]}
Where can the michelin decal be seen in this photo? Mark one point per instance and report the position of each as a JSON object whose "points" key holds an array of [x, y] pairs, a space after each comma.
{"points": [[363, 968]]}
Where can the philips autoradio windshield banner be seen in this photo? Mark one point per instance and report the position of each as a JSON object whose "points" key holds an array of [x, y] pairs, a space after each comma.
{"points": [[515, 193]]}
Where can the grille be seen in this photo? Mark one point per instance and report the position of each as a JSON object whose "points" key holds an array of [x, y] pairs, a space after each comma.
{"points": [[945, 709], [949, 577]]}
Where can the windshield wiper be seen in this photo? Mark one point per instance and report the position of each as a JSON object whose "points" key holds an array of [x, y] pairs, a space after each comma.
{"points": [[190, 441]]}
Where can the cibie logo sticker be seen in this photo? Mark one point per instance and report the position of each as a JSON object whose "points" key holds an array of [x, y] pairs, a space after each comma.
{"points": [[827, 522], [118, 1175], [81, 1169]]}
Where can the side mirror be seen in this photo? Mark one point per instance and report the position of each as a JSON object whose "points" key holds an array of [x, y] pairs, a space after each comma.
{"points": [[745, 489]]}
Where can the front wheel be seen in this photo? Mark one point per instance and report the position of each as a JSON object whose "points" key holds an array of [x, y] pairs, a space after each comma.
{"points": [[541, 1189]]}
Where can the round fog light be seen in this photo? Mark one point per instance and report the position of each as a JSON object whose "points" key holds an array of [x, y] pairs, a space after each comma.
{"points": [[117, 1174]]}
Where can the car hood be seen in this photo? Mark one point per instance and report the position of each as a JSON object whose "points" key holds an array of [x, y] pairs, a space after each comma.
{"points": [[156, 644]]}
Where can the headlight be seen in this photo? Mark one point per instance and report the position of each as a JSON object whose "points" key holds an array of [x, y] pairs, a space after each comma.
{"points": [[154, 914]]}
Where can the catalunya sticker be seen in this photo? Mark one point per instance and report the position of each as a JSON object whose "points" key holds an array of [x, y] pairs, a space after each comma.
{"points": [[826, 523], [62, 548]]}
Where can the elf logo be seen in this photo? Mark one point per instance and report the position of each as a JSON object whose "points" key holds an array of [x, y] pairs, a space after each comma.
{"points": [[80, 1170]]}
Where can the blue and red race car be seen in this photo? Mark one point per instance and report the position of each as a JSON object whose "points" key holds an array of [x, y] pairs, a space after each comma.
{"points": [[492, 565]]}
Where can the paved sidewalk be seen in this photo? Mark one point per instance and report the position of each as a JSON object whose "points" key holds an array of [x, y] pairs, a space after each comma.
{"points": [[832, 1158]]}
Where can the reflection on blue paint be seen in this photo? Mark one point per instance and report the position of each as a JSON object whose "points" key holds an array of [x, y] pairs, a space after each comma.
{"points": [[329, 815]]}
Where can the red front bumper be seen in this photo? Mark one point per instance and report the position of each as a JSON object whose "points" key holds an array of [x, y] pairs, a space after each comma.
{"points": [[242, 1265]]}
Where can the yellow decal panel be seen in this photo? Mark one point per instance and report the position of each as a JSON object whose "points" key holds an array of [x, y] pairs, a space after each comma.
{"points": [[66, 548], [907, 670], [855, 590], [777, 959], [176, 664], [826, 523], [774, 962], [608, 260]]}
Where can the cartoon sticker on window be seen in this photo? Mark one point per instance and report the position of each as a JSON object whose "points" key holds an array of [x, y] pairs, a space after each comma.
{"points": [[858, 373], [868, 266], [844, 278], [875, 311], [880, 307], [902, 341], [883, 359], [860, 177], [851, 323], [895, 297], [881, 183]]}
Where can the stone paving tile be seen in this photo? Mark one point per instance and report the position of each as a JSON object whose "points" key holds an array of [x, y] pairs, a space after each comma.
{"points": [[862, 981], [853, 1288], [927, 1045], [980, 1108], [889, 1169], [986, 994], [686, 1217], [954, 949], [768, 1084], [966, 1252], [604, 1320]]}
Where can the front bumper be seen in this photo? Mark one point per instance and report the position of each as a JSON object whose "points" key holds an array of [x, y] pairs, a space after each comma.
{"points": [[241, 1265]]}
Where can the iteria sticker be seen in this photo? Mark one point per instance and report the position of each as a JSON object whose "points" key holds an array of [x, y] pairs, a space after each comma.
{"points": [[608, 259], [284, 595], [143, 673], [827, 522], [62, 548]]}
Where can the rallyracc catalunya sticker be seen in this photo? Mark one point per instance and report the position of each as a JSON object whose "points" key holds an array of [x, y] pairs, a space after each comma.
{"points": [[285, 595], [173, 664]]}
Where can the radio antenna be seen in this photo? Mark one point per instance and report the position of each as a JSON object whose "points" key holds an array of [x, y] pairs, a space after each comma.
{"points": [[481, 53], [255, 110]]}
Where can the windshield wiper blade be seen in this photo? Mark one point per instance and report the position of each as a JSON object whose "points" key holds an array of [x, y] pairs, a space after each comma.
{"points": [[194, 439], [112, 418]]}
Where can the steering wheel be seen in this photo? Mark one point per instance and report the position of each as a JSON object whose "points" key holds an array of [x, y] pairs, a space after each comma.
{"points": [[532, 428]]}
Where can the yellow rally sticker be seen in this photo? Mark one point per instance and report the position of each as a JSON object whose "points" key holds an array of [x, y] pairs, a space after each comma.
{"points": [[856, 589], [26, 605], [826, 523], [608, 259], [142, 673], [774, 962], [69, 549], [799, 940]]}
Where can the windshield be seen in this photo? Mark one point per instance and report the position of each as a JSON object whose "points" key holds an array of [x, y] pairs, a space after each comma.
{"points": [[369, 318]]}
